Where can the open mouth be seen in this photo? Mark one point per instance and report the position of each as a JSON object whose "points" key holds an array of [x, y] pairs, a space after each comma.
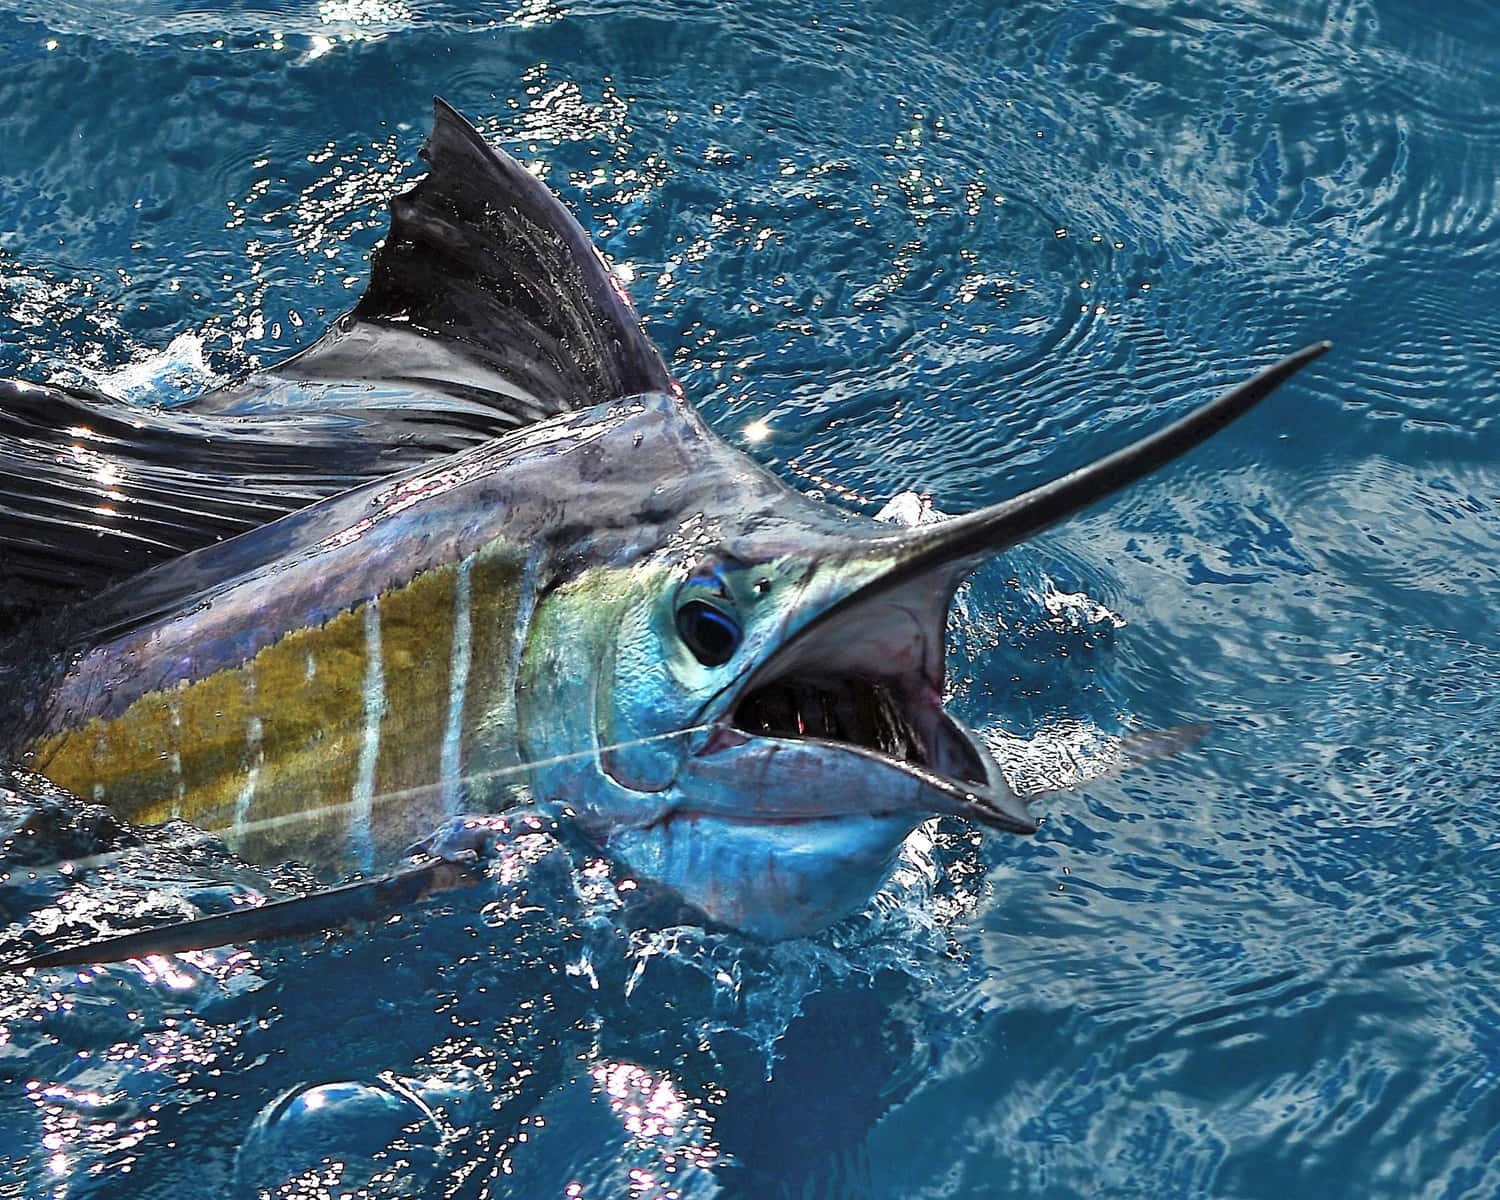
{"points": [[892, 719], [819, 691], [864, 676], [856, 711]]}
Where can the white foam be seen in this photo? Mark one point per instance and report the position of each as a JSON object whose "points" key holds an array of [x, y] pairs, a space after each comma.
{"points": [[174, 373]]}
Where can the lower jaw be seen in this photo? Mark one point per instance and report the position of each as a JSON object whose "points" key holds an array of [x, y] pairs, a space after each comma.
{"points": [[771, 880]]}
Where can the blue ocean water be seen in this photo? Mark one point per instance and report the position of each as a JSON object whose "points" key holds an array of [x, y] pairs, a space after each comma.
{"points": [[951, 247]]}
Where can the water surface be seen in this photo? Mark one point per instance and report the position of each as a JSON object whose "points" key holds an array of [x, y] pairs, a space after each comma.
{"points": [[951, 247]]}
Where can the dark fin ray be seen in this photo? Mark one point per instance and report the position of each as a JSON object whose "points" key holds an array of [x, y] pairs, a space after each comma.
{"points": [[318, 912], [93, 489], [486, 290]]}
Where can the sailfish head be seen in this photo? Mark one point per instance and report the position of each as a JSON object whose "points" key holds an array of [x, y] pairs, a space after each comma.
{"points": [[745, 700]]}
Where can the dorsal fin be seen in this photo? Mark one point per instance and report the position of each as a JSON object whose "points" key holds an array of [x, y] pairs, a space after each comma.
{"points": [[93, 489], [487, 309], [487, 291]]}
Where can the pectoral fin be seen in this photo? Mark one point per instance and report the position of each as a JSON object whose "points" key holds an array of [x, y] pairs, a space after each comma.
{"points": [[318, 912]]}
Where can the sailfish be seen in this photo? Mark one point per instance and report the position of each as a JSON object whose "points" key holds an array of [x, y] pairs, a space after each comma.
{"points": [[474, 548]]}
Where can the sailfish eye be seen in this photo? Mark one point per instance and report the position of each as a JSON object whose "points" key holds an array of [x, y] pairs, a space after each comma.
{"points": [[713, 636]]}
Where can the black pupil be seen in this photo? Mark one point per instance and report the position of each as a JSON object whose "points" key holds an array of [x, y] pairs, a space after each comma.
{"points": [[709, 634]]}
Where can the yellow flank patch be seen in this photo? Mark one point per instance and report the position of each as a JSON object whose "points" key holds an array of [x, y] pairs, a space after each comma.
{"points": [[489, 728], [416, 636], [271, 744]]}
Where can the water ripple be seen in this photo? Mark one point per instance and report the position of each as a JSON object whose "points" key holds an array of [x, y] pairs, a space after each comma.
{"points": [[957, 247]]}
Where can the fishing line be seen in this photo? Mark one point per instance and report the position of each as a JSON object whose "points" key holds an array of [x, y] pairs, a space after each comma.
{"points": [[313, 814], [489, 776], [841, 490]]}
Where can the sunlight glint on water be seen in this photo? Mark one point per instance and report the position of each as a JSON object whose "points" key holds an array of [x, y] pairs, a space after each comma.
{"points": [[941, 248]]}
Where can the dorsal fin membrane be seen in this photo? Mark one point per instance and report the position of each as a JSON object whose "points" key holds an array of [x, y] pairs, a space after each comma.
{"points": [[486, 290], [93, 489], [481, 252]]}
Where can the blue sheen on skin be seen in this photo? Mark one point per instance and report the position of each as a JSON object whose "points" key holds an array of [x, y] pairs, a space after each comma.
{"points": [[773, 881]]}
